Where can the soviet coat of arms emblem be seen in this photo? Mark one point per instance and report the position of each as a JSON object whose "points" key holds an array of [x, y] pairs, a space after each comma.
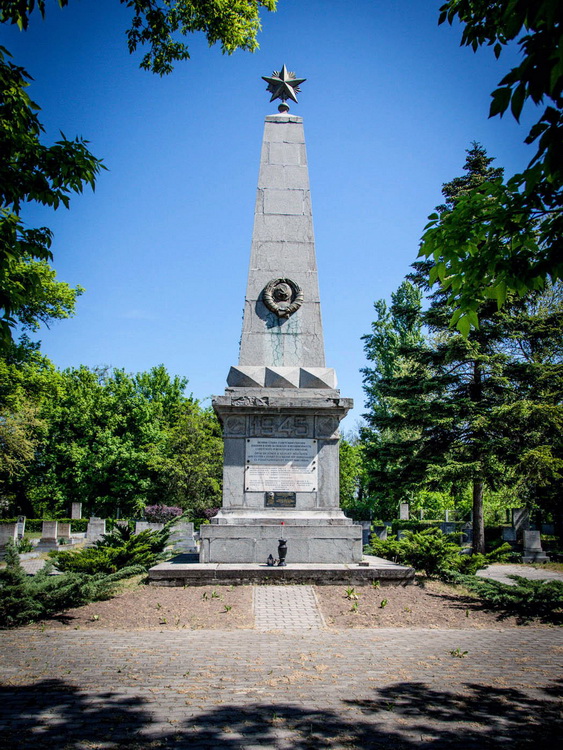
{"points": [[282, 297]]}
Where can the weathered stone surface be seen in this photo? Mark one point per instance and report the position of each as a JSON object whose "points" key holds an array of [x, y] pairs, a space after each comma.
{"points": [[8, 533], [281, 411], [76, 511]]}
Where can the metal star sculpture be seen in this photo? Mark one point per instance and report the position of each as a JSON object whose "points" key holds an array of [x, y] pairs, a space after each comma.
{"points": [[283, 84]]}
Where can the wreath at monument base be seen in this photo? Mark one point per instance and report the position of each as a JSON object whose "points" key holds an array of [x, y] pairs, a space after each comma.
{"points": [[282, 297]]}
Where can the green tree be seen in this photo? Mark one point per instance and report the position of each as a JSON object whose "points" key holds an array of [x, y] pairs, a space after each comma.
{"points": [[503, 238], [353, 499], [158, 23], [32, 172], [388, 450], [434, 411]]}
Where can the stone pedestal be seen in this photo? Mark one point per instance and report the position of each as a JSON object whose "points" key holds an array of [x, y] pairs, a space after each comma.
{"points": [[281, 466]]}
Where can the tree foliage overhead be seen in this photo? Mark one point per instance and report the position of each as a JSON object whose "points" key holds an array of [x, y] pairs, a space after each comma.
{"points": [[31, 172], [506, 237], [158, 24], [481, 410]]}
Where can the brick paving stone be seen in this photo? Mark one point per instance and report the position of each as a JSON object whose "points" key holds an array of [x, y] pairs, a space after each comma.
{"points": [[286, 608], [301, 689]]}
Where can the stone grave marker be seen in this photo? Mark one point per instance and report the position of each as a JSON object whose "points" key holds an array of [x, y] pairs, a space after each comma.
{"points": [[404, 512], [96, 529], [21, 526], [8, 533], [76, 511], [533, 551]]}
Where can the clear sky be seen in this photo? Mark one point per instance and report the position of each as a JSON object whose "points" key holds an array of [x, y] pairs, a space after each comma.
{"points": [[390, 104]]}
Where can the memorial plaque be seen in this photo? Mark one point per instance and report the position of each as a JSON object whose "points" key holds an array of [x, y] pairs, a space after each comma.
{"points": [[282, 464], [280, 500]]}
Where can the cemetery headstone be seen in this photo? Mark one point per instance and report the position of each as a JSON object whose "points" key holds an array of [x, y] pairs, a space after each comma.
{"points": [[8, 533], [508, 534], [21, 526], [49, 531], [76, 511], [182, 537], [533, 551], [63, 531], [96, 529], [404, 512], [147, 526], [520, 521], [380, 532]]}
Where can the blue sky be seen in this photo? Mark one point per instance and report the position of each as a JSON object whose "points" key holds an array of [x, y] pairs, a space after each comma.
{"points": [[390, 104]]}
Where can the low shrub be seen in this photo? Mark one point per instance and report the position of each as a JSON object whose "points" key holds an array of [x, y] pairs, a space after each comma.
{"points": [[25, 599], [527, 599], [435, 553], [119, 549]]}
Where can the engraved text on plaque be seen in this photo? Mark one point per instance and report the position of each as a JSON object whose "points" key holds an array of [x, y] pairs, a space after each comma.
{"points": [[283, 464]]}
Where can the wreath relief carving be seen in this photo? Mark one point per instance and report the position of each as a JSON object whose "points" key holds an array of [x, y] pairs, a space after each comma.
{"points": [[282, 297]]}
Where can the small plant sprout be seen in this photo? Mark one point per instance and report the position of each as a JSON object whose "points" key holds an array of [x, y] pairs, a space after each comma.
{"points": [[354, 607], [214, 595], [205, 595], [457, 652], [95, 618], [162, 621], [383, 603], [158, 606], [351, 593], [228, 608], [376, 584]]}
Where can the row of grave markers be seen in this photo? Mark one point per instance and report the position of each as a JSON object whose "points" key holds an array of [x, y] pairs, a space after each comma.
{"points": [[54, 533]]}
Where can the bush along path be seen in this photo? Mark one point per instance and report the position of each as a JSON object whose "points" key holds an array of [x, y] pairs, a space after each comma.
{"points": [[25, 599]]}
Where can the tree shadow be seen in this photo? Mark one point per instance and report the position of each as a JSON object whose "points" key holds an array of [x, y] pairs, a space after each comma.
{"points": [[404, 716]]}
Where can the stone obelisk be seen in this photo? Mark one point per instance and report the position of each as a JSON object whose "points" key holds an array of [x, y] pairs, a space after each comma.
{"points": [[281, 410]]}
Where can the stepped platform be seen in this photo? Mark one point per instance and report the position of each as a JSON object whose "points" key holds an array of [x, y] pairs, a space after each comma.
{"points": [[185, 570]]}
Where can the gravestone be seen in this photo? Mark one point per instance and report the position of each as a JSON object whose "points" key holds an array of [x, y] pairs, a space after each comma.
{"points": [[76, 511], [182, 537], [380, 532], [96, 529], [508, 534], [533, 551], [63, 531], [448, 527], [49, 531], [21, 527], [404, 512], [147, 526], [520, 521], [281, 410], [8, 533], [366, 532]]}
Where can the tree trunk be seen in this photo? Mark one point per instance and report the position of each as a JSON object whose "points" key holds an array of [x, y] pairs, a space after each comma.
{"points": [[478, 518]]}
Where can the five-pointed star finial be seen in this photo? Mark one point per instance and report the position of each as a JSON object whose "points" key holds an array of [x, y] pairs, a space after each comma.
{"points": [[283, 84]]}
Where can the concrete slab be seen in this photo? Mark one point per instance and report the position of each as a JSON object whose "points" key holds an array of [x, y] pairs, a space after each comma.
{"points": [[181, 572]]}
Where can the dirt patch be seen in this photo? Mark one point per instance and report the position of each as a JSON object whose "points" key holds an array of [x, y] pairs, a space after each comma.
{"points": [[142, 607], [432, 605], [153, 608]]}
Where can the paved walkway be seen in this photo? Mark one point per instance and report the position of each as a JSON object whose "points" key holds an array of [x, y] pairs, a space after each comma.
{"points": [[502, 572], [242, 690], [286, 608]]}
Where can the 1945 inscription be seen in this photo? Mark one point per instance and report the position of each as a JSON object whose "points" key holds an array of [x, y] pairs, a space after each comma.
{"points": [[279, 425]]}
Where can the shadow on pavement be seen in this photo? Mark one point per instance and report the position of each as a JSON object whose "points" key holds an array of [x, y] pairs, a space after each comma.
{"points": [[54, 714]]}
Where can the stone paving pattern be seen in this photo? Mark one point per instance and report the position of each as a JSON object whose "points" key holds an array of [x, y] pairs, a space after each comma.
{"points": [[302, 689], [286, 608]]}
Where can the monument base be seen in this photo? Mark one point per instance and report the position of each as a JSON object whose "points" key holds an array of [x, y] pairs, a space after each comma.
{"points": [[312, 542]]}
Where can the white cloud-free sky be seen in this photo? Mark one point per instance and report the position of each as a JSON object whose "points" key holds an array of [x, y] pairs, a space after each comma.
{"points": [[390, 104]]}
